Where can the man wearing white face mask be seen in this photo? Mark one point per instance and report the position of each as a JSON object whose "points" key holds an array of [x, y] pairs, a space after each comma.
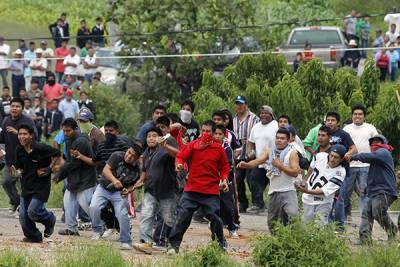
{"points": [[191, 126]]}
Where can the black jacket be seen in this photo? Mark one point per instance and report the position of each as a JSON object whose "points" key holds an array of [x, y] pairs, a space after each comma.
{"points": [[80, 176]]}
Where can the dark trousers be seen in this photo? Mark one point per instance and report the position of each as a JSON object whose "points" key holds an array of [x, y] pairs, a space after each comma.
{"points": [[9, 184], [384, 72], [3, 75], [241, 188], [258, 181], [376, 209], [228, 208], [18, 82], [161, 231], [107, 214], [41, 80], [188, 204], [32, 210]]}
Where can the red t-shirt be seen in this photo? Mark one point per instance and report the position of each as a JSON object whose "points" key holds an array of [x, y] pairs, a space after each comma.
{"points": [[60, 52], [208, 167], [52, 92]]}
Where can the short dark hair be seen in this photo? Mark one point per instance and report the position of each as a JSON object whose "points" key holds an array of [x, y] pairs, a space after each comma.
{"points": [[220, 127], [112, 124], [283, 131], [162, 107], [138, 149], [6, 87], [284, 116], [325, 129], [73, 48], [17, 100], [54, 100], [174, 117], [34, 81], [358, 107], [99, 18], [154, 129], [26, 127], [333, 114], [31, 43], [70, 122], [210, 123], [83, 20], [219, 113], [189, 103], [164, 120], [51, 74]]}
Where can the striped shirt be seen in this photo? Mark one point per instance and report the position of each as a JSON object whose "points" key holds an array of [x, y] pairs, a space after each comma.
{"points": [[242, 129]]}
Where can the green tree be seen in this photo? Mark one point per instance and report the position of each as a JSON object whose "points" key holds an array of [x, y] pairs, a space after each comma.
{"points": [[346, 82], [370, 83], [337, 104]]}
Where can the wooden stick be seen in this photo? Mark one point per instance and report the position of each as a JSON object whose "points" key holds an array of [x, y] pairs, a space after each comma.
{"points": [[398, 96]]}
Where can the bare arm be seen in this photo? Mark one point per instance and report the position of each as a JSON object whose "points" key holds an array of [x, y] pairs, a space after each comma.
{"points": [[172, 151], [85, 159], [109, 176], [250, 150], [293, 169], [254, 163]]}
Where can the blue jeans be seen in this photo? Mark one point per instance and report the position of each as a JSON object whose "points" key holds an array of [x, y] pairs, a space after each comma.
{"points": [[89, 78], [99, 200], [364, 44], [3, 75], [337, 215], [32, 210], [358, 177], [72, 201], [151, 206], [393, 74]]}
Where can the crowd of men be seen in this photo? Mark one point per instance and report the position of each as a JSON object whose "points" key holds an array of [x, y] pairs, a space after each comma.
{"points": [[185, 168]]}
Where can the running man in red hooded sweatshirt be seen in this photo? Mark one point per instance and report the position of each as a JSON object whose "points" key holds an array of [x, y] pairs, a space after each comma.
{"points": [[208, 174]]}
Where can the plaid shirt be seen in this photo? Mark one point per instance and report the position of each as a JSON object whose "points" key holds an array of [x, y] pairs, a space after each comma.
{"points": [[242, 129]]}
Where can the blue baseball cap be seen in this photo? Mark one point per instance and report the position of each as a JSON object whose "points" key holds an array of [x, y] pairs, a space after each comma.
{"points": [[240, 100], [85, 115], [380, 137], [339, 149]]}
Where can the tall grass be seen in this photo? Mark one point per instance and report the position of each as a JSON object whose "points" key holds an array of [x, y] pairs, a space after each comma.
{"points": [[378, 255], [13, 258]]}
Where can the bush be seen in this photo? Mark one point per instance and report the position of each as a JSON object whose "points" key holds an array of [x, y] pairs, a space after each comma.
{"points": [[13, 258], [113, 106], [85, 254], [376, 256], [301, 246], [208, 256]]}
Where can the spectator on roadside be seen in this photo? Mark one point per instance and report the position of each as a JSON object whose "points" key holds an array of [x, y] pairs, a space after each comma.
{"points": [[35, 91], [85, 102], [22, 45], [68, 106], [382, 60], [84, 50], [4, 51], [90, 64], [83, 35], [58, 33], [17, 72], [297, 62], [308, 55], [350, 25], [364, 34], [65, 25], [39, 66], [28, 56], [53, 119], [394, 62], [61, 52], [393, 18], [71, 63], [359, 23], [23, 93], [352, 57], [392, 34], [6, 100], [70, 84], [48, 53], [98, 33], [379, 41], [52, 90], [28, 110]]}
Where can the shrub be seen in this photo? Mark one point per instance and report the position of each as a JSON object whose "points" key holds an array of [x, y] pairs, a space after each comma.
{"points": [[11, 257], [301, 246], [85, 254], [346, 82], [370, 82]]}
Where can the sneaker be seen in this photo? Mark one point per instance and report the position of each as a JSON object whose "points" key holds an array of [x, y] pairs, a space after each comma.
{"points": [[125, 246], [49, 230], [172, 251], [159, 247], [84, 226], [68, 232], [255, 210], [28, 240], [13, 208], [233, 234], [144, 247], [108, 233], [96, 236]]}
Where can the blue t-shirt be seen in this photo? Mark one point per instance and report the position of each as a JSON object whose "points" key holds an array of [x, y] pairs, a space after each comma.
{"points": [[60, 139]]}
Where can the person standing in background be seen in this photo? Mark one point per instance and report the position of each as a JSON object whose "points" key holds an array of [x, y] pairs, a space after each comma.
{"points": [[17, 72], [48, 53], [364, 34], [83, 35], [4, 51], [350, 25], [28, 56], [98, 33], [61, 52], [39, 66]]}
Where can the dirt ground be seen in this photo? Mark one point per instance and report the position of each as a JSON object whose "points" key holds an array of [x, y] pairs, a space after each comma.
{"points": [[197, 235]]}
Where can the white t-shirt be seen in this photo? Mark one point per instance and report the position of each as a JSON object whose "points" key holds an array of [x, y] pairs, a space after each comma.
{"points": [[392, 36], [263, 136], [91, 61], [324, 177], [4, 49], [48, 53], [42, 62], [393, 19], [361, 135], [69, 70]]}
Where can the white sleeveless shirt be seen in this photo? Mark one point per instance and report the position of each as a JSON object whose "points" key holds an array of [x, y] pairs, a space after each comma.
{"points": [[282, 182]]}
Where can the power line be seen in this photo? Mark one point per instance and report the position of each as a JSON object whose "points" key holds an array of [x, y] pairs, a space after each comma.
{"points": [[204, 30]]}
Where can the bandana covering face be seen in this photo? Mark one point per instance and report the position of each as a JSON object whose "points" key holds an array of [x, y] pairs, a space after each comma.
{"points": [[205, 140], [375, 147]]}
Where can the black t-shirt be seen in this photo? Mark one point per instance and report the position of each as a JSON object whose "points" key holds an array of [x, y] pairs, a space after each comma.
{"points": [[343, 138], [40, 157], [160, 179], [103, 153], [128, 174], [193, 130]]}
